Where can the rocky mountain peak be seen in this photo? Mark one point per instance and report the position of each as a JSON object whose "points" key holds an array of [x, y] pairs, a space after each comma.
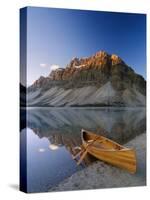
{"points": [[100, 61], [56, 74], [74, 62], [97, 70], [101, 79], [39, 81], [101, 54], [116, 60]]}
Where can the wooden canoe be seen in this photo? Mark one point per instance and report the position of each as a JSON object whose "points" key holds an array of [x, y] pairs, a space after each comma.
{"points": [[109, 151]]}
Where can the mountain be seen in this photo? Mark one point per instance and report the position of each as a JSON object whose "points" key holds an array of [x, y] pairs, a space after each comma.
{"points": [[99, 80]]}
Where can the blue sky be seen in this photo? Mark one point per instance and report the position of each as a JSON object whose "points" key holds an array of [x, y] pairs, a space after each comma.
{"points": [[55, 36]]}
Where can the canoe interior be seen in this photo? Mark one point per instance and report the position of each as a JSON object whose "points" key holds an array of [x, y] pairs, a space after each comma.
{"points": [[100, 141]]}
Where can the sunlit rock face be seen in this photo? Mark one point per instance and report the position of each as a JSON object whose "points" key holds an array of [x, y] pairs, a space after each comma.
{"points": [[98, 80]]}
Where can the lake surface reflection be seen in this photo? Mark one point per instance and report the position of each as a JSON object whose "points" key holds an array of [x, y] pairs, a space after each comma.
{"points": [[52, 134]]}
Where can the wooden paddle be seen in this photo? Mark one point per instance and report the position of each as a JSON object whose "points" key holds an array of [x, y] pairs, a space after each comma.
{"points": [[82, 157], [85, 151], [78, 154]]}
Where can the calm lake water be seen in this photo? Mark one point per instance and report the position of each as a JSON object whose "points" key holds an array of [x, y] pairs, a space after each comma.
{"points": [[52, 134]]}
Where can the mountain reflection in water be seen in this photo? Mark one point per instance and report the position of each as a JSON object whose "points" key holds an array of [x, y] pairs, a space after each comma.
{"points": [[62, 125], [55, 132]]}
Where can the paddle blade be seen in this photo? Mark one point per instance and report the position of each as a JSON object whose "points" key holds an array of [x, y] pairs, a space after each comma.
{"points": [[82, 157]]}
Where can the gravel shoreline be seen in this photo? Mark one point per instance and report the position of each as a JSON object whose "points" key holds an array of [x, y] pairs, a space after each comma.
{"points": [[101, 175]]}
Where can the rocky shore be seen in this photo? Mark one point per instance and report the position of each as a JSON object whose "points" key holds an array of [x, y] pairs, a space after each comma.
{"points": [[101, 175]]}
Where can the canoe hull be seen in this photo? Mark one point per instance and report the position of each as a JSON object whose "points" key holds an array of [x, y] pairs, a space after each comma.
{"points": [[124, 158]]}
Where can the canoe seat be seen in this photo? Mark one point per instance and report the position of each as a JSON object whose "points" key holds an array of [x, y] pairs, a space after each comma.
{"points": [[89, 141], [100, 145], [99, 140]]}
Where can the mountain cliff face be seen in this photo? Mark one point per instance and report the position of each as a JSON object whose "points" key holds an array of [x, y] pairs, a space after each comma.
{"points": [[98, 80]]}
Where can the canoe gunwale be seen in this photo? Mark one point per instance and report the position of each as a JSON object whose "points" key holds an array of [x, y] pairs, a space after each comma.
{"points": [[108, 150], [85, 143]]}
